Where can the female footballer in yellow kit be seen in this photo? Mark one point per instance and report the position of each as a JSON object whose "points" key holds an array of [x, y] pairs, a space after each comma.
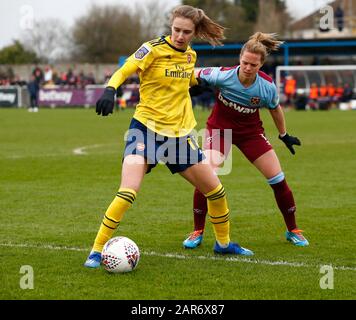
{"points": [[162, 125]]}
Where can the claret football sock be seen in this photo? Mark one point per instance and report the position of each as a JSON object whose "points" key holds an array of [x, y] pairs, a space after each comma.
{"points": [[285, 201], [200, 209]]}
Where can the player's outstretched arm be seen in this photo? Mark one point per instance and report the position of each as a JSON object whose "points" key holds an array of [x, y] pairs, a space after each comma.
{"points": [[279, 120], [289, 141], [105, 105]]}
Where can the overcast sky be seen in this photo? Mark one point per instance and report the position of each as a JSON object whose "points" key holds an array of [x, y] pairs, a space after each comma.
{"points": [[15, 15]]}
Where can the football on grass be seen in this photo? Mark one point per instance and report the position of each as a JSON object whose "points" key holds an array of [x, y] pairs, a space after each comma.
{"points": [[120, 254]]}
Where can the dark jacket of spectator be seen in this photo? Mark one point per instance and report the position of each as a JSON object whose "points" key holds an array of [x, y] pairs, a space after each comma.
{"points": [[33, 87]]}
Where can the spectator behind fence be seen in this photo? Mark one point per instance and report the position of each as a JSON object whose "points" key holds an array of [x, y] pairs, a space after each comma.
{"points": [[33, 90], [71, 78], [91, 78], [339, 92], [48, 76], [38, 73], [17, 81], [339, 17], [301, 100], [331, 91], [290, 90], [107, 75], [323, 91], [347, 93], [313, 96]]}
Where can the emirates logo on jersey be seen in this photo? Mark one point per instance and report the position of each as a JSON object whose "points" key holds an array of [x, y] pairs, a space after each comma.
{"points": [[255, 101], [189, 58]]}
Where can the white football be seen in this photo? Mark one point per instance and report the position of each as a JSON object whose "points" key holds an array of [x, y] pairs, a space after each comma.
{"points": [[120, 254]]}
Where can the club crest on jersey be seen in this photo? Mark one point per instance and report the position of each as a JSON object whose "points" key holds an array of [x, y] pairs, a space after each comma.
{"points": [[142, 52], [207, 71], [189, 58], [255, 101], [140, 146]]}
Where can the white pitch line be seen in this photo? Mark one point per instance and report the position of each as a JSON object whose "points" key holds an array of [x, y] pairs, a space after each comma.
{"points": [[81, 151], [14, 157], [183, 257]]}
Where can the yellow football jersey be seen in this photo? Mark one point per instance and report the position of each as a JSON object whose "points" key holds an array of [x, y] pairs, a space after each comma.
{"points": [[166, 74]]}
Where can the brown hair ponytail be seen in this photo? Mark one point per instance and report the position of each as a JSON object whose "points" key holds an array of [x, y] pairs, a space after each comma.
{"points": [[205, 28]]}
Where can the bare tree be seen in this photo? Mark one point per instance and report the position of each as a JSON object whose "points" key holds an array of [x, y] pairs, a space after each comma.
{"points": [[215, 9], [278, 17], [238, 28], [105, 33], [154, 16], [49, 39]]}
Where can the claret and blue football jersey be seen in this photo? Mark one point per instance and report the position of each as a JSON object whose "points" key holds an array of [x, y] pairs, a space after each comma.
{"points": [[237, 107]]}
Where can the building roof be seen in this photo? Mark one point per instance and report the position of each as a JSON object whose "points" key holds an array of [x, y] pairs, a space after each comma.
{"points": [[308, 22]]}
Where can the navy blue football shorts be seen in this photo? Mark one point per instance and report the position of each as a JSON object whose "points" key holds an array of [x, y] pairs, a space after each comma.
{"points": [[177, 154]]}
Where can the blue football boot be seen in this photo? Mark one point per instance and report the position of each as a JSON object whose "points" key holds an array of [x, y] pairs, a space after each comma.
{"points": [[194, 240], [232, 248], [296, 237], [94, 260]]}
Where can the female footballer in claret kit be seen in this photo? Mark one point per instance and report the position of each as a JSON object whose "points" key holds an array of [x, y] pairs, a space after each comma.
{"points": [[242, 91]]}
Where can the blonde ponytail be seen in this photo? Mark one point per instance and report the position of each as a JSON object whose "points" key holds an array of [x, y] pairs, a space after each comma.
{"points": [[263, 44]]}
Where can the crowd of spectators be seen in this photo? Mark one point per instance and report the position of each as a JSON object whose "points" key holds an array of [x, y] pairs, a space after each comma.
{"points": [[317, 97], [51, 77], [11, 80]]}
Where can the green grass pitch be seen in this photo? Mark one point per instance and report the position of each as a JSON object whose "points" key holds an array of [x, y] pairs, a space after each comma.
{"points": [[52, 201]]}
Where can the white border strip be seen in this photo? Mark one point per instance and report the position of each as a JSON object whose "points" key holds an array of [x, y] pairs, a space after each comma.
{"points": [[183, 257]]}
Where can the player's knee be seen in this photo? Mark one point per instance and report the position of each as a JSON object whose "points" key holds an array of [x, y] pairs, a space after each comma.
{"points": [[214, 158]]}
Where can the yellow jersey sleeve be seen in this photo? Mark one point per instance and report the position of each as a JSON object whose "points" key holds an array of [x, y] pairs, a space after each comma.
{"points": [[118, 78], [193, 80]]}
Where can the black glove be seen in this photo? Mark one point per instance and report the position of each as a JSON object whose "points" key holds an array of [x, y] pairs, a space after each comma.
{"points": [[105, 104], [200, 88], [195, 91], [290, 141]]}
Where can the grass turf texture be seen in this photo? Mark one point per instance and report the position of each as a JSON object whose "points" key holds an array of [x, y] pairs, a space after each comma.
{"points": [[52, 202]]}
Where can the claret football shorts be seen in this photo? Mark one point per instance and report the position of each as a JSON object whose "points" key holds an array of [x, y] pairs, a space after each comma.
{"points": [[252, 146]]}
